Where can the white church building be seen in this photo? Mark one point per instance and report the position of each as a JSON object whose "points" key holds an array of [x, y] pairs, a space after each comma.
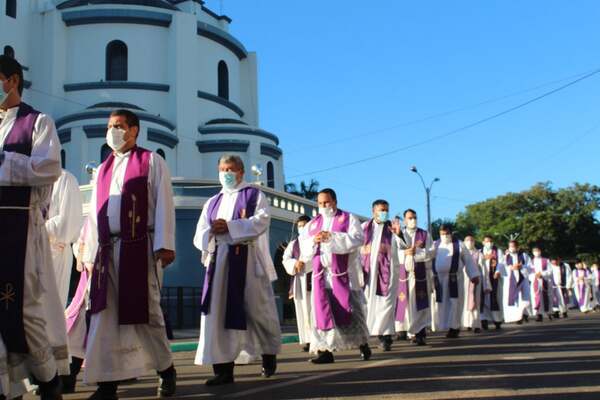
{"points": [[192, 83]]}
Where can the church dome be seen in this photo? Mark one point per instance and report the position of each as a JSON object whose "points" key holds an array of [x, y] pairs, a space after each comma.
{"points": [[147, 3]]}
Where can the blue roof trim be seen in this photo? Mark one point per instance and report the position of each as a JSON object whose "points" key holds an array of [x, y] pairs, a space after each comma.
{"points": [[219, 100], [82, 116], [107, 16], [162, 137], [242, 130], [94, 131], [73, 87], [218, 121], [213, 146], [64, 135], [147, 3], [215, 15], [115, 104], [267, 149], [222, 37]]}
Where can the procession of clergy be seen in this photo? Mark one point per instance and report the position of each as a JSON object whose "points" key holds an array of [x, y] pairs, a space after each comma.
{"points": [[351, 280]]}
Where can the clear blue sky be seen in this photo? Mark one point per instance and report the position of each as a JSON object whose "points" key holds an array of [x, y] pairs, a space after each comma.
{"points": [[335, 69]]}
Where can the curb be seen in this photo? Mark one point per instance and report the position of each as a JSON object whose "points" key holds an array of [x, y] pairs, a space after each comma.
{"points": [[192, 346]]}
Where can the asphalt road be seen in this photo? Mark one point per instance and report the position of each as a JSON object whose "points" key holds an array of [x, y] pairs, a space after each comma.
{"points": [[549, 360]]}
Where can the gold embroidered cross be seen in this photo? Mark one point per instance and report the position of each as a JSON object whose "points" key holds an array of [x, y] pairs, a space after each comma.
{"points": [[237, 250], [135, 219], [8, 295]]}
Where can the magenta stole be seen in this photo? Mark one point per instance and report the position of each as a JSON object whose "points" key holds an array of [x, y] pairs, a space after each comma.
{"points": [[513, 284], [13, 237], [337, 307], [384, 257], [544, 294], [133, 258]]}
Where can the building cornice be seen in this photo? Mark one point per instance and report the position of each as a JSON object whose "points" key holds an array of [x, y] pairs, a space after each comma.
{"points": [[220, 36], [219, 100], [239, 129], [116, 16]]}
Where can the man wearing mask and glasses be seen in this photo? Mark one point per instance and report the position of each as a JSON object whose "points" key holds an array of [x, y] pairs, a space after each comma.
{"points": [[300, 285], [413, 312], [379, 257], [131, 238], [238, 304], [32, 326], [332, 241]]}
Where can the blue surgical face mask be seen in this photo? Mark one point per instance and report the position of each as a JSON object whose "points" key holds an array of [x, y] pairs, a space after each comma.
{"points": [[227, 179], [382, 216], [4, 94]]}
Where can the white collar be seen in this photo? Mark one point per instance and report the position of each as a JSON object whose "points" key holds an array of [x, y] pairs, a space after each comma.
{"points": [[239, 187]]}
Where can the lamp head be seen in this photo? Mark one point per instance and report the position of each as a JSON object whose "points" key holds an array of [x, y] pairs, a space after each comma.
{"points": [[413, 169]]}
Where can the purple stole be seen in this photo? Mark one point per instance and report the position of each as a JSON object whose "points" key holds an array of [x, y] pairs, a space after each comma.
{"points": [[513, 285], [72, 311], [237, 262], [296, 256], [452, 275], [14, 219], [338, 308], [384, 257], [133, 257], [494, 306], [581, 286], [472, 291], [544, 294]]}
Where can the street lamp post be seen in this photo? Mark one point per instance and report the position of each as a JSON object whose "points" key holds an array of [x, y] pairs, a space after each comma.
{"points": [[427, 193]]}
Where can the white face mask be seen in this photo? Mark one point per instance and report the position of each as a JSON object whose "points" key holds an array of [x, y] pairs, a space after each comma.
{"points": [[227, 179], [512, 250], [537, 254], [470, 244], [487, 245], [411, 223], [115, 138], [326, 211], [446, 239]]}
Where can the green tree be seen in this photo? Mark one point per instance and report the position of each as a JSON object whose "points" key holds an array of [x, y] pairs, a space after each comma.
{"points": [[308, 191]]}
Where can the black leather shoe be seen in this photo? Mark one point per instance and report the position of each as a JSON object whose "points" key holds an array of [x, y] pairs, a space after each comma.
{"points": [[477, 330], [306, 347], [68, 383], [539, 318], [452, 333], [498, 325], [223, 379], [323, 357], [167, 383], [565, 315], [420, 340], [105, 391], [556, 314], [520, 322], [51, 390], [269, 365], [484, 325], [365, 352], [526, 318], [402, 335]]}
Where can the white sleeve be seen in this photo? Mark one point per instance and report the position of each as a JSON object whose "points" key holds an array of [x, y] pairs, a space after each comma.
{"points": [[288, 262], [42, 167], [307, 246], [346, 242], [426, 253], [90, 239], [65, 226], [244, 229], [467, 259]]}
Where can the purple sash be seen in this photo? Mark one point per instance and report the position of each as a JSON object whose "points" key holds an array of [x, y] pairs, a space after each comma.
{"points": [[472, 291], [237, 262], [133, 257], [72, 311], [544, 292], [13, 237], [337, 307], [581, 286], [452, 275], [514, 285], [296, 256], [384, 257]]}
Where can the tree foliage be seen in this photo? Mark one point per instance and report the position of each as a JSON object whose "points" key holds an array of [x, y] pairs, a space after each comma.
{"points": [[307, 190], [563, 222]]}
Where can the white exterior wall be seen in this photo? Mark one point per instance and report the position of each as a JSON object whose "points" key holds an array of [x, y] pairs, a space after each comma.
{"points": [[176, 56]]}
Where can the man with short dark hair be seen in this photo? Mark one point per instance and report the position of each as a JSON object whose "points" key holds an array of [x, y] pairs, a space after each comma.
{"points": [[332, 241], [33, 339], [516, 293], [493, 270], [132, 226], [301, 284]]}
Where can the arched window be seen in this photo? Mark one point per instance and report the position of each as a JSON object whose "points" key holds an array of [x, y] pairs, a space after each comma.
{"points": [[161, 153], [223, 80], [105, 152], [63, 158], [116, 61], [11, 8], [9, 51], [270, 175]]}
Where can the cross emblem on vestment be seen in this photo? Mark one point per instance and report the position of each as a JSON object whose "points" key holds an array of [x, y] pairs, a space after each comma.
{"points": [[7, 295], [135, 219]]}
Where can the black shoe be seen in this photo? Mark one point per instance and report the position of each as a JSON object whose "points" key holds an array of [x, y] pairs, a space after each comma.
{"points": [[223, 374], [556, 314], [167, 383], [419, 338], [526, 318], [68, 383], [452, 333], [484, 325], [323, 357], [385, 342], [477, 330], [549, 317], [269, 365], [565, 315], [365, 352], [520, 322], [51, 390], [469, 329], [105, 391], [498, 325], [402, 335], [539, 318], [306, 347]]}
